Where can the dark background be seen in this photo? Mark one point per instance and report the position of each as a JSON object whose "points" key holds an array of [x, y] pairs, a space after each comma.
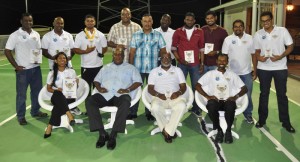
{"points": [[73, 11]]}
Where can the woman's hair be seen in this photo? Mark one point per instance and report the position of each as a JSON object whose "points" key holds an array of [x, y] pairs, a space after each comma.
{"points": [[55, 67]]}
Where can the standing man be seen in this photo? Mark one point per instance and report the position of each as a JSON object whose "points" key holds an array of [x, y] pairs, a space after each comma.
{"points": [[114, 82], [186, 47], [25, 41], [167, 34], [239, 48], [145, 48], [121, 32], [269, 44], [91, 44], [57, 41], [214, 35]]}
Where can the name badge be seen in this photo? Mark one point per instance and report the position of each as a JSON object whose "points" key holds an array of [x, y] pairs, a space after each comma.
{"points": [[189, 56], [69, 88], [208, 48], [35, 56]]}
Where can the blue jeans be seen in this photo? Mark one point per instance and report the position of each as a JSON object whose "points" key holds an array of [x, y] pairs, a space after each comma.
{"points": [[280, 80], [247, 79], [194, 75], [33, 78], [208, 68]]}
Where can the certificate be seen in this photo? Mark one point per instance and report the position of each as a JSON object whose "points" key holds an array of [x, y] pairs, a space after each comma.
{"points": [[122, 41], [189, 56], [268, 52], [69, 88], [221, 91], [208, 48], [36, 56]]}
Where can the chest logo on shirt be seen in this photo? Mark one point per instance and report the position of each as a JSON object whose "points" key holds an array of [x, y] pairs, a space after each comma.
{"points": [[34, 38], [228, 79], [217, 78], [54, 40], [274, 36], [65, 39], [263, 37], [159, 74], [24, 36], [172, 73], [244, 42], [233, 42]]}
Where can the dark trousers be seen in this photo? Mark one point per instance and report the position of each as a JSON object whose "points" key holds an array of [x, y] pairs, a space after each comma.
{"points": [[60, 107], [280, 80], [214, 106], [89, 74], [97, 101], [134, 108]]}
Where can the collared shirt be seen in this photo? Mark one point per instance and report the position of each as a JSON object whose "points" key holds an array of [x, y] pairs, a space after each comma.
{"points": [[239, 51], [119, 30], [61, 75], [55, 43], [166, 80], [23, 43], [181, 43], [216, 37], [91, 60], [168, 35], [275, 41], [114, 77], [147, 49], [211, 79]]}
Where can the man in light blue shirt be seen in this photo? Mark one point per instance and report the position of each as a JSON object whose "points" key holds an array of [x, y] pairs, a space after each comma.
{"points": [[115, 83]]}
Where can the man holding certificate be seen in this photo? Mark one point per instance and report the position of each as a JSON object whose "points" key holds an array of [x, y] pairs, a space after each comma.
{"points": [[186, 47], [221, 87], [26, 43]]}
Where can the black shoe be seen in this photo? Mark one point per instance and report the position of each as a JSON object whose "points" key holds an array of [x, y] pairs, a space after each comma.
{"points": [[249, 119], [111, 144], [167, 137], [219, 136], [130, 117], [288, 128], [101, 140], [175, 136], [22, 121], [40, 115], [72, 122], [47, 135], [228, 137], [259, 124], [150, 117]]}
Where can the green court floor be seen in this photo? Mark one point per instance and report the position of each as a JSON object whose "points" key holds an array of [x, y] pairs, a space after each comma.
{"points": [[26, 143]]}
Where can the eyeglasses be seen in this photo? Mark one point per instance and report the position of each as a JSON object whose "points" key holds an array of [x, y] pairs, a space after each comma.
{"points": [[266, 21]]}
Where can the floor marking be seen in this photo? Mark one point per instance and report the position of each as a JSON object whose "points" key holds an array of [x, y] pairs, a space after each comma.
{"points": [[11, 117]]}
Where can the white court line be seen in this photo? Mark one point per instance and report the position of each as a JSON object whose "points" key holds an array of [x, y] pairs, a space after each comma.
{"points": [[5, 64], [11, 117]]}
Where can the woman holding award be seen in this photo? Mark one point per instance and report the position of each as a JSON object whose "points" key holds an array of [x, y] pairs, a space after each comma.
{"points": [[55, 80]]}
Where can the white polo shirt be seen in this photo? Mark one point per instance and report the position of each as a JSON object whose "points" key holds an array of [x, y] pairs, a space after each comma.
{"points": [[212, 78], [22, 43], [55, 43], [67, 73], [239, 51], [276, 41], [90, 60], [168, 35], [166, 80]]}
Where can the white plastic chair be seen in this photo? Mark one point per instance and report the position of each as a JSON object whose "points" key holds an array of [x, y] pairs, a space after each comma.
{"points": [[241, 104], [113, 109], [147, 98], [82, 92]]}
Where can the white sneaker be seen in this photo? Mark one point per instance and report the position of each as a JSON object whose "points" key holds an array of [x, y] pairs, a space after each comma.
{"points": [[76, 111]]}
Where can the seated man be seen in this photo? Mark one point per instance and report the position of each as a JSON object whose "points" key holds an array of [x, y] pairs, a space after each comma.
{"points": [[167, 84], [114, 83], [222, 88]]}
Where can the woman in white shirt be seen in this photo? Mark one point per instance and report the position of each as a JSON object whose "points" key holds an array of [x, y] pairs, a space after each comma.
{"points": [[54, 85]]}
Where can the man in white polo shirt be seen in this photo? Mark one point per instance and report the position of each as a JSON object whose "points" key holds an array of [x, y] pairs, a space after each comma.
{"points": [[167, 34], [25, 41], [239, 47], [167, 84], [221, 88], [269, 44], [91, 44], [56, 41]]}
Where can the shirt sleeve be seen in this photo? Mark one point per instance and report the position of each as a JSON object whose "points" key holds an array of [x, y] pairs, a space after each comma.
{"points": [[151, 77], [201, 41], [288, 40], [175, 40], [45, 42], [111, 35], [133, 43], [225, 46], [256, 41], [71, 45], [103, 40], [50, 78], [99, 76], [180, 75], [161, 41], [11, 42], [77, 42], [136, 76]]}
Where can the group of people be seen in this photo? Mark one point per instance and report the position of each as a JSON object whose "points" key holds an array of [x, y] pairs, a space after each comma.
{"points": [[162, 58]]}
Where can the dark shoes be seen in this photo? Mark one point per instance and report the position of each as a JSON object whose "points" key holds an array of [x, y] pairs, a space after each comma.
{"points": [[150, 117], [22, 121], [167, 137], [47, 135], [111, 144], [288, 128], [130, 117], [72, 122], [102, 139], [259, 124], [175, 136], [249, 119], [40, 115], [228, 137], [220, 136]]}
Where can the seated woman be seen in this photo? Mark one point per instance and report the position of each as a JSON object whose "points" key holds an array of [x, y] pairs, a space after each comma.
{"points": [[54, 85]]}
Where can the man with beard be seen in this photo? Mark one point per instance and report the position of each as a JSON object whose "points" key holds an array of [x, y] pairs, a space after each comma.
{"points": [[186, 47], [240, 50], [167, 33], [167, 84], [214, 35], [208, 86], [120, 33]]}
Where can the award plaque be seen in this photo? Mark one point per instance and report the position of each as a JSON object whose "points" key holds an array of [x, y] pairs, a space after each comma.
{"points": [[208, 48], [69, 88], [268, 52], [221, 91], [36, 56], [122, 41], [189, 56]]}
